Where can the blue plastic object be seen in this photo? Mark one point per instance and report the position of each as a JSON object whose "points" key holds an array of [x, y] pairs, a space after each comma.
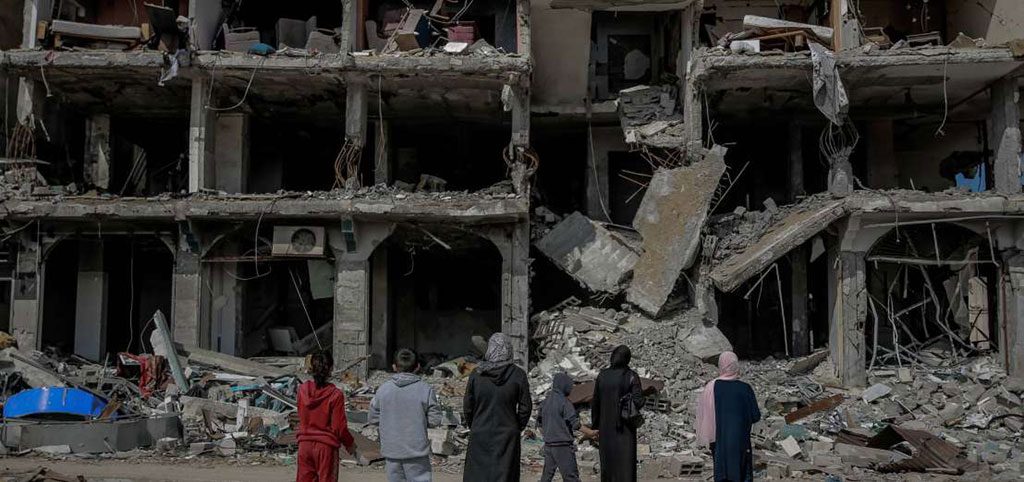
{"points": [[262, 49], [54, 403]]}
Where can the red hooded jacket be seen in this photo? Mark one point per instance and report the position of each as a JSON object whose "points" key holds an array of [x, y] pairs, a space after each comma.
{"points": [[322, 416]]}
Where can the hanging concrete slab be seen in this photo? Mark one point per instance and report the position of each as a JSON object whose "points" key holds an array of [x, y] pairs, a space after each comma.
{"points": [[670, 219], [792, 231], [596, 257]]}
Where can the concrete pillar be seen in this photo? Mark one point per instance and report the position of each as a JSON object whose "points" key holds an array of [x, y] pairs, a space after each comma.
{"points": [[202, 137], [97, 152], [1011, 312], [226, 306], [232, 152], [693, 107], [520, 169], [30, 16], [848, 300], [91, 301], [381, 345], [513, 242], [352, 280], [1005, 132], [356, 105], [25, 313], [800, 340], [186, 294], [883, 171]]}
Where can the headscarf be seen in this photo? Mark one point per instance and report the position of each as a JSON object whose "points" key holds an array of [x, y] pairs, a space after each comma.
{"points": [[499, 353], [621, 356], [728, 369]]}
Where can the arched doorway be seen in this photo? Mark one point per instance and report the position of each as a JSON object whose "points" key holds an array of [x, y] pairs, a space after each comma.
{"points": [[930, 289]]}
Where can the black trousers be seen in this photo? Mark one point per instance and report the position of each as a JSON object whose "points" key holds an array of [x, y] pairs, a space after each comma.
{"points": [[564, 459]]}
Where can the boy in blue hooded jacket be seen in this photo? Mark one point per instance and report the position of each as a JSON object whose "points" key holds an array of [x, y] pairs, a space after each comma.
{"points": [[558, 419]]}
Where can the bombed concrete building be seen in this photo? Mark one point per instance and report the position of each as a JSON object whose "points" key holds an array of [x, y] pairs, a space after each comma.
{"points": [[370, 175]]}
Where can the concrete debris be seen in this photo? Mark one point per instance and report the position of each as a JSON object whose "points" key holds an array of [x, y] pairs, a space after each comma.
{"points": [[670, 219], [767, 25], [600, 259], [875, 392], [704, 341]]}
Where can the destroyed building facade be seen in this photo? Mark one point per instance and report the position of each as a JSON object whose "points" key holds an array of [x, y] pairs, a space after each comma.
{"points": [[342, 174]]}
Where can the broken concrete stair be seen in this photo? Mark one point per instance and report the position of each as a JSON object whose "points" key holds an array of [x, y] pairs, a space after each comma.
{"points": [[670, 219], [598, 258]]}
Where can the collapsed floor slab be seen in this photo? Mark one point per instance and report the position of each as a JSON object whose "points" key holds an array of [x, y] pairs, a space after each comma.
{"points": [[670, 219], [590, 253]]}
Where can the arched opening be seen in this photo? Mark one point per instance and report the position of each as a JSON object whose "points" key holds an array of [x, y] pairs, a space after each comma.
{"points": [[931, 295], [443, 286], [258, 300], [100, 292]]}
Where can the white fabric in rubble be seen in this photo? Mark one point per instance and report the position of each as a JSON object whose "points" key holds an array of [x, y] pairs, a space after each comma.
{"points": [[829, 93]]}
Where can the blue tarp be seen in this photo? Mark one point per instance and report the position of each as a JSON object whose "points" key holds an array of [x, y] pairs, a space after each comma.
{"points": [[976, 183], [54, 403]]}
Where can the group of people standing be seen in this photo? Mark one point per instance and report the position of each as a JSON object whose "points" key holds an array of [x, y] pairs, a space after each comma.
{"points": [[497, 408]]}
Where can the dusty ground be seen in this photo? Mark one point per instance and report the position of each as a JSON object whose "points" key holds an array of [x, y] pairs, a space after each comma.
{"points": [[196, 470]]}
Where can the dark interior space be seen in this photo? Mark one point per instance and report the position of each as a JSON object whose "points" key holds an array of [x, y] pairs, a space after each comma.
{"points": [[440, 297], [292, 156], [900, 19], [467, 155], [750, 317], [558, 185], [626, 170], [150, 156], [8, 258], [550, 285], [138, 270], [914, 292], [633, 48], [263, 15], [758, 164], [492, 21]]}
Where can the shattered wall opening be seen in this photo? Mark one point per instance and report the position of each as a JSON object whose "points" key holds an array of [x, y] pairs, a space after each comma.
{"points": [[631, 49], [294, 156], [100, 292], [442, 289], [445, 155], [8, 258], [932, 293], [263, 299]]}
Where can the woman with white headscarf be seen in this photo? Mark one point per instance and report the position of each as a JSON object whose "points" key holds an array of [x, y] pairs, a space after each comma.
{"points": [[726, 410], [497, 408]]}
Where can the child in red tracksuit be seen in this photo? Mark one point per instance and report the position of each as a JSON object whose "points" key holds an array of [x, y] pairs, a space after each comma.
{"points": [[322, 424]]}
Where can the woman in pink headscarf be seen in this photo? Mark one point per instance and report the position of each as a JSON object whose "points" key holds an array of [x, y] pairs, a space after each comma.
{"points": [[726, 410]]}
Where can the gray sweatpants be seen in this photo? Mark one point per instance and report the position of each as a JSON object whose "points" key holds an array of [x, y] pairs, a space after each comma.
{"points": [[408, 470], [564, 459]]}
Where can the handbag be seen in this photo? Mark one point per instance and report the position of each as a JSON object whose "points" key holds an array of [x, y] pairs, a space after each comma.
{"points": [[629, 408]]}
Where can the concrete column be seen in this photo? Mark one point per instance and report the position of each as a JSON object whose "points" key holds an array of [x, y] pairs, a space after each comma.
{"points": [[352, 281], [30, 15], [513, 242], [356, 105], [91, 301], [380, 345], [800, 341], [232, 152], [1005, 132], [202, 138], [799, 330], [226, 303], [97, 151], [186, 294], [27, 292], [883, 171], [693, 107], [1011, 312], [848, 299]]}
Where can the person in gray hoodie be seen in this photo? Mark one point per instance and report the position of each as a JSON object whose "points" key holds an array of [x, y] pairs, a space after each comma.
{"points": [[558, 419], [403, 408]]}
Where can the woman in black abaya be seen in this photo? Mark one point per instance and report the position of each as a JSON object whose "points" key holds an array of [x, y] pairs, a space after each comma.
{"points": [[618, 439]]}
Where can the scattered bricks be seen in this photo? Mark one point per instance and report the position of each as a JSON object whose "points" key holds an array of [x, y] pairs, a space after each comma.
{"points": [[790, 446], [198, 448], [441, 441], [826, 461], [875, 392], [658, 404], [905, 375], [686, 466], [817, 447], [776, 470]]}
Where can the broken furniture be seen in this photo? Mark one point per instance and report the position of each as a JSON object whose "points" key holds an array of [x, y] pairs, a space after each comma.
{"points": [[294, 33], [96, 36], [414, 31], [240, 39]]}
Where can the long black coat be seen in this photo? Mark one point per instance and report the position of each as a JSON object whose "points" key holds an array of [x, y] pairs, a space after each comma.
{"points": [[617, 441], [497, 408], [735, 412]]}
